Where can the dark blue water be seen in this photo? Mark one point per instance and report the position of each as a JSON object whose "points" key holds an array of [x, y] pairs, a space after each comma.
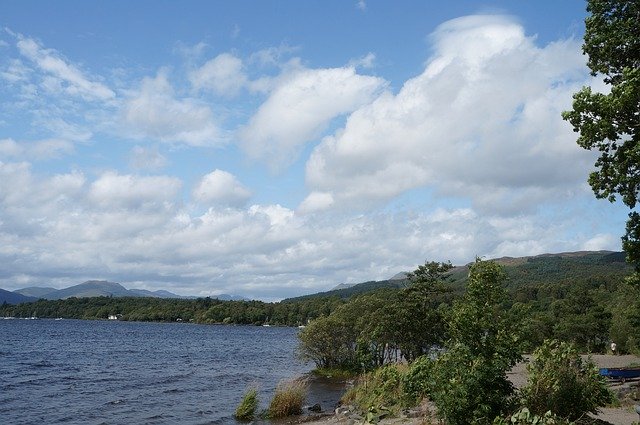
{"points": [[110, 372]]}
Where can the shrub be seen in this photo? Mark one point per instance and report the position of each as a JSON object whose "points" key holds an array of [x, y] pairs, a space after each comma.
{"points": [[418, 380], [382, 390], [470, 382], [288, 399], [525, 417], [561, 382], [470, 389], [246, 410]]}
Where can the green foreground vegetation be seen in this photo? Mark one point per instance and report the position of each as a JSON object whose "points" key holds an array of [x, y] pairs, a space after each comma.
{"points": [[463, 369]]}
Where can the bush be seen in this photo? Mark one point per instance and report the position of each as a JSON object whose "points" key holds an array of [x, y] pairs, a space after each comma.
{"points": [[561, 382], [470, 382], [470, 389], [418, 380], [525, 417], [288, 399], [382, 390], [246, 410]]}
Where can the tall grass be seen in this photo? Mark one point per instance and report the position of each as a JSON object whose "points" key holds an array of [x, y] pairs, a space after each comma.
{"points": [[246, 410], [288, 399]]}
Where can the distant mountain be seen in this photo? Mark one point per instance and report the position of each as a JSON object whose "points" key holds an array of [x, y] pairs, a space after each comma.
{"points": [[91, 288], [155, 294], [521, 272], [35, 291], [13, 298]]}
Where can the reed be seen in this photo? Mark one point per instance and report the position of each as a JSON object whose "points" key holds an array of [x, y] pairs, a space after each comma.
{"points": [[288, 398]]}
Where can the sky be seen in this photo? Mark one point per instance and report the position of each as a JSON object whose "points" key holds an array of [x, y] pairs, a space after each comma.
{"points": [[271, 149]]}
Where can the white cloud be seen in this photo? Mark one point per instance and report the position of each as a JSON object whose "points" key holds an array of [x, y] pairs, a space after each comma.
{"points": [[37, 150], [16, 72], [62, 230], [147, 158], [154, 112], [115, 191], [224, 75], [221, 187], [61, 76], [300, 108], [316, 201], [367, 61], [482, 119], [602, 241]]}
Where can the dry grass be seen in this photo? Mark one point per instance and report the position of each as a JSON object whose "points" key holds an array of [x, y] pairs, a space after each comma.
{"points": [[288, 399]]}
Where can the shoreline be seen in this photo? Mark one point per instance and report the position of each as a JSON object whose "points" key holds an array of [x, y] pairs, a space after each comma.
{"points": [[622, 415]]}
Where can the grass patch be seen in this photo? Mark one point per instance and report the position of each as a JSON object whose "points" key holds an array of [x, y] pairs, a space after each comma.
{"points": [[334, 373], [381, 391], [246, 410], [288, 399]]}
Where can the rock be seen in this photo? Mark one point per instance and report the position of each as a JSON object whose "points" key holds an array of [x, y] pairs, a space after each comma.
{"points": [[315, 408]]}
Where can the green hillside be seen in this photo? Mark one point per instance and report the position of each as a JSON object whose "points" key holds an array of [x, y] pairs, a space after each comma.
{"points": [[580, 297]]}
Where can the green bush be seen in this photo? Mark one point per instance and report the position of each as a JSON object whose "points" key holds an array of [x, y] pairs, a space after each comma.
{"points": [[525, 417], [561, 382], [246, 410], [470, 382], [382, 390], [288, 399], [470, 389], [418, 380]]}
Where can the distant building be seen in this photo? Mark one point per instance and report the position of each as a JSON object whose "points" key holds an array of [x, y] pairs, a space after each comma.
{"points": [[115, 316]]}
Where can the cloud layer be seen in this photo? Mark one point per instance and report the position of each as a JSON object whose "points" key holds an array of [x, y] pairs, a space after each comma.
{"points": [[153, 177]]}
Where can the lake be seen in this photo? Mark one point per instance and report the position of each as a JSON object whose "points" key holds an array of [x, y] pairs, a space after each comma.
{"points": [[111, 372]]}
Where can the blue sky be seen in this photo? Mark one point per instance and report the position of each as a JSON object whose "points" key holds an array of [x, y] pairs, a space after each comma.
{"points": [[276, 148]]}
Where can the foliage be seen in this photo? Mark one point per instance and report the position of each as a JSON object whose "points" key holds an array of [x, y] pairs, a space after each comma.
{"points": [[469, 380], [288, 399], [525, 417], [381, 327], [417, 381], [382, 391], [329, 343], [609, 122], [246, 410], [561, 382]]}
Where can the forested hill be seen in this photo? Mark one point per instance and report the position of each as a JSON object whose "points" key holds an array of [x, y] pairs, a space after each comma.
{"points": [[562, 295], [523, 273]]}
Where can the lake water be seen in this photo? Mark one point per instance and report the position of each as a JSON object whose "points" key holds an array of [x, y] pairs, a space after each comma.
{"points": [[110, 372]]}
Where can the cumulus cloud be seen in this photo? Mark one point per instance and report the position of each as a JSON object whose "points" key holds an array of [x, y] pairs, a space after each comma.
{"points": [[60, 75], [38, 150], [155, 113], [143, 158], [224, 75], [482, 121], [63, 229], [221, 187], [113, 190], [316, 201], [300, 107]]}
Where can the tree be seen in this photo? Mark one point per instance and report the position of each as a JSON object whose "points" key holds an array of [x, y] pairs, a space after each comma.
{"points": [[610, 122], [470, 384]]}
